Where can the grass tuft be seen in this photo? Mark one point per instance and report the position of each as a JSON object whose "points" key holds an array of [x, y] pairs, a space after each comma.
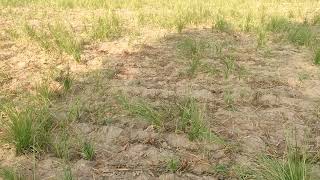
{"points": [[317, 57], [300, 35], [293, 167], [193, 50], [59, 38], [229, 100], [142, 110], [107, 27], [278, 24], [248, 24], [262, 38], [88, 151], [244, 173], [316, 20], [67, 173], [194, 65], [61, 146], [173, 165], [221, 169], [9, 174], [75, 111], [67, 81], [28, 129], [39, 36], [221, 24], [229, 66], [45, 92], [191, 122], [66, 41], [181, 21]]}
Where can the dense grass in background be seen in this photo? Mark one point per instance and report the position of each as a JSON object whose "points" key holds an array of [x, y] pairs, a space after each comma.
{"points": [[290, 19], [181, 13]]}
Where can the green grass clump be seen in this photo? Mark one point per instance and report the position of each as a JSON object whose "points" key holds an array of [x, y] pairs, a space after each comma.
{"points": [[40, 37], [183, 17], [9, 174], [293, 167], [262, 38], [66, 41], [107, 27], [193, 50], [248, 23], [67, 81], [221, 169], [88, 151], [28, 129], [229, 100], [45, 92], [278, 24], [180, 24], [57, 38], [194, 65], [173, 165], [142, 110], [191, 122], [61, 146], [317, 57], [244, 172], [67, 173], [221, 24], [300, 35], [75, 111], [316, 20], [229, 66]]}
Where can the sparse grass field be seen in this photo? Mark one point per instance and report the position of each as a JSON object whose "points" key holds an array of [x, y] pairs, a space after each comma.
{"points": [[146, 89]]}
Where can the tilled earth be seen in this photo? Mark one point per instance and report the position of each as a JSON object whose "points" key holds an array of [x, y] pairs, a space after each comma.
{"points": [[274, 93]]}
